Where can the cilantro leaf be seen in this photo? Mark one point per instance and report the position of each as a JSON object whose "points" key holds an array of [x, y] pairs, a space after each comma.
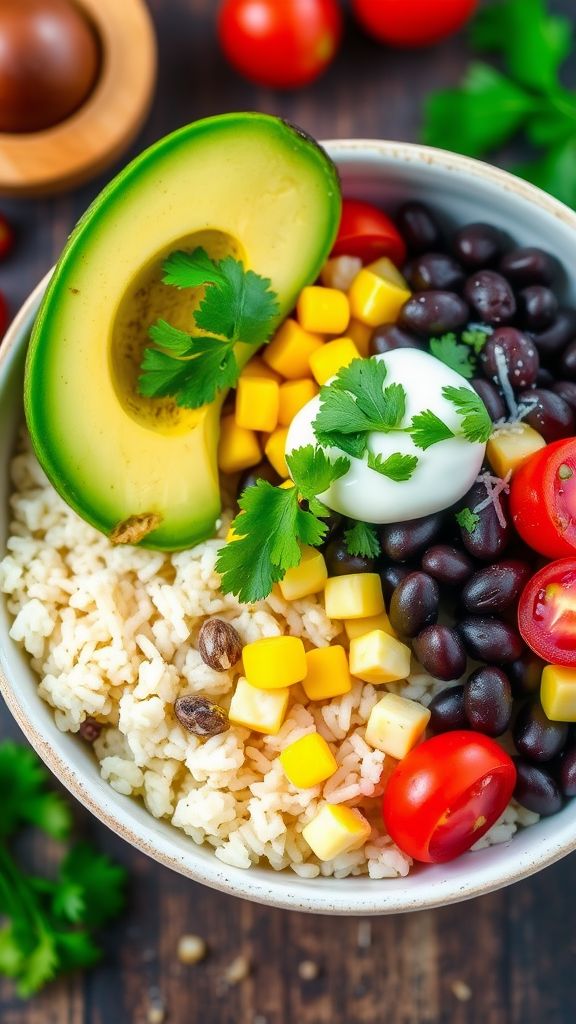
{"points": [[191, 382], [476, 338], [192, 270], [39, 967], [76, 949], [456, 356], [362, 539], [312, 470], [394, 410], [171, 338], [396, 467], [555, 172], [427, 429], [24, 797], [467, 519], [100, 881], [353, 444], [68, 901], [533, 42], [161, 375], [243, 309], [356, 403], [476, 421]]}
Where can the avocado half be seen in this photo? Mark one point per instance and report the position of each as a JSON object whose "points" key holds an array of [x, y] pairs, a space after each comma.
{"points": [[142, 470]]}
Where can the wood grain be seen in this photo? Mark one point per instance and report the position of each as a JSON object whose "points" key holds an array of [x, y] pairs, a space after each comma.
{"points": [[508, 958]]}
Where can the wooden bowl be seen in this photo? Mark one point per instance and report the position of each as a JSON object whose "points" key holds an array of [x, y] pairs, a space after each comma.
{"points": [[78, 148]]}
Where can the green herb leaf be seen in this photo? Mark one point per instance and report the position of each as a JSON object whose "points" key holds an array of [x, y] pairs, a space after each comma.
{"points": [[100, 881], [476, 339], [362, 539], [427, 429], [356, 403], [312, 470], [24, 797], [467, 519], [243, 309], [456, 356], [192, 382], [476, 421], [555, 172], [39, 967], [533, 42], [396, 467], [192, 270], [353, 444]]}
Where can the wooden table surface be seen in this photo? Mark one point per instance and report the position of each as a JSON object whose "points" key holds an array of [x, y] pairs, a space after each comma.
{"points": [[508, 958]]}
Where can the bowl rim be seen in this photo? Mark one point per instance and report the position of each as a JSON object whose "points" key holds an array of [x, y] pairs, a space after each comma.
{"points": [[276, 889]]}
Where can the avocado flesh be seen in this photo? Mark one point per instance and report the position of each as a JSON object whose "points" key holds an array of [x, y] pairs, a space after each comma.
{"points": [[247, 184]]}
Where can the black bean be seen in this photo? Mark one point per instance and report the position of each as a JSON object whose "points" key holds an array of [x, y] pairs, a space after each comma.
{"points": [[488, 540], [556, 337], [489, 639], [567, 771], [447, 564], [391, 576], [414, 604], [535, 736], [517, 351], [340, 563], [434, 312], [551, 416], [389, 337], [496, 587], [545, 378], [537, 306], [491, 397], [403, 541], [488, 700], [567, 391], [440, 651], [568, 361], [219, 644], [436, 270], [536, 788], [447, 710], [525, 674], [263, 471], [490, 297], [528, 265], [418, 227], [333, 521], [201, 716], [478, 245]]}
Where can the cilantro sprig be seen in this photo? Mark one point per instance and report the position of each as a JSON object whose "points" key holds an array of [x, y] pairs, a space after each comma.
{"points": [[362, 539], [238, 306], [49, 924]]}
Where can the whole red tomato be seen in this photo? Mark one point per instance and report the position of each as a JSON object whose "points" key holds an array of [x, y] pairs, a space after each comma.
{"points": [[413, 22], [280, 44]]}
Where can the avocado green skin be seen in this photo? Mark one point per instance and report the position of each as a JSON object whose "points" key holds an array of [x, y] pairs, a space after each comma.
{"points": [[39, 414]]}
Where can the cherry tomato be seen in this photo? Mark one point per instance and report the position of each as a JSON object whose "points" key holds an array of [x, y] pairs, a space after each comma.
{"points": [[446, 793], [547, 612], [6, 237], [368, 233], [413, 22], [284, 45], [543, 499], [4, 317]]}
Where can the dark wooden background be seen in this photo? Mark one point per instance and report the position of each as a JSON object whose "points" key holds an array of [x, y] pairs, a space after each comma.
{"points": [[509, 958]]}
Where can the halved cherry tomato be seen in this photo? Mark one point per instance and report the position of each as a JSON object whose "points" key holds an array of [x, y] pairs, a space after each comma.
{"points": [[413, 22], [368, 233], [446, 794], [547, 612], [543, 499]]}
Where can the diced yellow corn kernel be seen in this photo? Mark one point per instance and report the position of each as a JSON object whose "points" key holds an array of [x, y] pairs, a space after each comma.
{"points": [[396, 725], [328, 673], [510, 446], [375, 301], [274, 662], [308, 761], [307, 578], [358, 627], [275, 450], [286, 485], [323, 310], [294, 394], [388, 271], [238, 448], [260, 710], [340, 271], [356, 596], [257, 403], [377, 657], [290, 349], [336, 829], [361, 335], [257, 368], [326, 361], [558, 693]]}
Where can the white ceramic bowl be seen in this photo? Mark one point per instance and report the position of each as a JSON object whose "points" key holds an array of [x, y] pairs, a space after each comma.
{"points": [[386, 172]]}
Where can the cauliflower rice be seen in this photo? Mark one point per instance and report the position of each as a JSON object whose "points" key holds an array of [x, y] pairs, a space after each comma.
{"points": [[111, 633]]}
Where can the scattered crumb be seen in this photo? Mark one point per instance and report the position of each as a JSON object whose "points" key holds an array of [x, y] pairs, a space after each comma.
{"points": [[308, 970], [461, 991], [364, 938], [191, 949], [237, 971]]}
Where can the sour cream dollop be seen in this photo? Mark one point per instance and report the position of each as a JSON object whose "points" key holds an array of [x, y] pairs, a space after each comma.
{"points": [[445, 471]]}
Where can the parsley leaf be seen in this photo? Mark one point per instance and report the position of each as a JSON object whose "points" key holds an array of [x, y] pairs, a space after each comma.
{"points": [[362, 539], [356, 403], [396, 467], [191, 382], [427, 429], [99, 881], [533, 43], [456, 356], [242, 309], [313, 472], [476, 338], [467, 519], [555, 172], [352, 444], [477, 424], [191, 270]]}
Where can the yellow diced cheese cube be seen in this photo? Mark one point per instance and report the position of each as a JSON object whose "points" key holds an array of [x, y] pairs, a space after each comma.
{"points": [[326, 362], [356, 596], [377, 657], [328, 673], [375, 301], [294, 395], [510, 446], [361, 335], [336, 829], [340, 271], [274, 662], [275, 450], [558, 693], [290, 349], [257, 368], [257, 403], [238, 448], [323, 310], [396, 725], [260, 710], [358, 627], [308, 761], [388, 271], [307, 578]]}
